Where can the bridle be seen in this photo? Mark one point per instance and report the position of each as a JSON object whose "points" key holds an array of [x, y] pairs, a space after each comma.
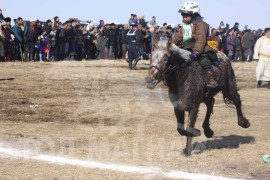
{"points": [[167, 71]]}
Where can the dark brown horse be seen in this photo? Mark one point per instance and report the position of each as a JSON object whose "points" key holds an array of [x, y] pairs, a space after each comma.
{"points": [[187, 89]]}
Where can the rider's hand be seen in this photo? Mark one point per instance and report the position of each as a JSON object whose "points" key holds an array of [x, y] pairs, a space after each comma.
{"points": [[193, 55]]}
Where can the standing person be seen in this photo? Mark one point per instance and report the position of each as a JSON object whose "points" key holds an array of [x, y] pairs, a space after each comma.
{"points": [[236, 27], [142, 21], [101, 43], [230, 44], [193, 36], [12, 44], [262, 52], [38, 28], [92, 43], [135, 19], [57, 26], [52, 40], [153, 22], [56, 21], [18, 33], [111, 41], [30, 40], [44, 40], [148, 40], [8, 41], [164, 27], [2, 41], [48, 26], [116, 41], [124, 41], [72, 41], [119, 42], [79, 42], [133, 54], [86, 44], [155, 38], [238, 48], [106, 35], [222, 28], [101, 23], [141, 33], [130, 19], [247, 43], [64, 40]]}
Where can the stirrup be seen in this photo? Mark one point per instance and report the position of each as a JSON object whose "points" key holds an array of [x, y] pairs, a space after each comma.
{"points": [[211, 84]]}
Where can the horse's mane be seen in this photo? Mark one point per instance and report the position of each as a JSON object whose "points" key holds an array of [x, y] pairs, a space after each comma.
{"points": [[163, 42]]}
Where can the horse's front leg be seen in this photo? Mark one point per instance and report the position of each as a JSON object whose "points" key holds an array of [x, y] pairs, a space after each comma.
{"points": [[191, 130], [180, 116]]}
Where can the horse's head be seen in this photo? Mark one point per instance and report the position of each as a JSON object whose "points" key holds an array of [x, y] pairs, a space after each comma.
{"points": [[162, 60]]}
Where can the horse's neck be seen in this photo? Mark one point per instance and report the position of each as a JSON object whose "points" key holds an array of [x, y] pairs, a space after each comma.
{"points": [[191, 73]]}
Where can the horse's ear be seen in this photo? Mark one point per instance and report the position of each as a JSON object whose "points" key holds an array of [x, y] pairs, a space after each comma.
{"points": [[169, 43]]}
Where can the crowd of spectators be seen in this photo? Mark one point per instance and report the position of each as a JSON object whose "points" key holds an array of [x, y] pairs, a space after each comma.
{"points": [[73, 40], [236, 44]]}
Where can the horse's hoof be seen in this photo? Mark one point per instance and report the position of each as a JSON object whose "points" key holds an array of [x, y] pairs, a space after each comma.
{"points": [[208, 133], [244, 123], [182, 132], [186, 152], [194, 133]]}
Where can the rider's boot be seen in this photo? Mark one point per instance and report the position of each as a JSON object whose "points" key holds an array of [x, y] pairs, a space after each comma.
{"points": [[211, 81]]}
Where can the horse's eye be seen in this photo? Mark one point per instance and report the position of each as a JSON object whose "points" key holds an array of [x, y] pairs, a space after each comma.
{"points": [[165, 60]]}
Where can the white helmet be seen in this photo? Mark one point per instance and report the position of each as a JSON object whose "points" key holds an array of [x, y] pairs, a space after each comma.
{"points": [[191, 7]]}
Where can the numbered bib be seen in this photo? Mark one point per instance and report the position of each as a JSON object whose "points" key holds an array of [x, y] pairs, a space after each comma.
{"points": [[187, 31]]}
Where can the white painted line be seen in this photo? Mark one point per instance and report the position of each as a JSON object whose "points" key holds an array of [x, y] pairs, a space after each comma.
{"points": [[104, 166]]}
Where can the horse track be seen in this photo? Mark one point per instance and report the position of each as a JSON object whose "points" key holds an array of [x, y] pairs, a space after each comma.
{"points": [[100, 111]]}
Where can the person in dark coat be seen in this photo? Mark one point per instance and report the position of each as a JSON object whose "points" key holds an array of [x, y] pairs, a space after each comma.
{"points": [[53, 40], [19, 39], [72, 41], [79, 42], [133, 51], [238, 48], [247, 43], [38, 28], [124, 41], [29, 41], [142, 21], [48, 26], [64, 40]]}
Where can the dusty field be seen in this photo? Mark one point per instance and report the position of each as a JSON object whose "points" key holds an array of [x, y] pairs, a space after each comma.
{"points": [[103, 112]]}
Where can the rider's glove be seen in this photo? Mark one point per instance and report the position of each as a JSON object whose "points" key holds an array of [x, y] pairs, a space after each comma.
{"points": [[193, 55]]}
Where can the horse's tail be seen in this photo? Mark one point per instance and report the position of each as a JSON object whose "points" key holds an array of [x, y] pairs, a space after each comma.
{"points": [[230, 86]]}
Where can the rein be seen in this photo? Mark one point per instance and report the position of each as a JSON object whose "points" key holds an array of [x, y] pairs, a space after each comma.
{"points": [[164, 73]]}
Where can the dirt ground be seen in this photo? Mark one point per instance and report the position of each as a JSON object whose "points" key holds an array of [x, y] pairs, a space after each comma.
{"points": [[101, 111]]}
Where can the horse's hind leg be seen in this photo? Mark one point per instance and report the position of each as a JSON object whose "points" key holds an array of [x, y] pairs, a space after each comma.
{"points": [[191, 130], [206, 125], [233, 96]]}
